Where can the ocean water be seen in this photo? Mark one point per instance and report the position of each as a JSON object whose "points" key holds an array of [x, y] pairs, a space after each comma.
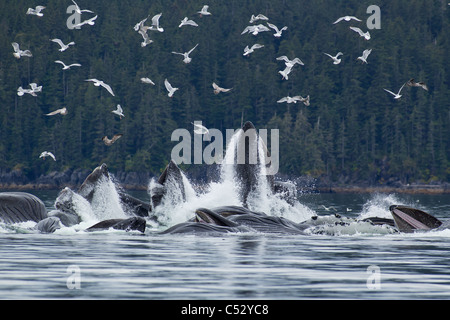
{"points": [[352, 264]]}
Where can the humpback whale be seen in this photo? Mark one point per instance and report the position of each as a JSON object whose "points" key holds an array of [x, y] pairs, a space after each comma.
{"points": [[16, 207], [134, 223], [20, 207], [409, 219], [170, 178], [100, 175]]}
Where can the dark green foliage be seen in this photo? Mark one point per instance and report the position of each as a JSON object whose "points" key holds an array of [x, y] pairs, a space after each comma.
{"points": [[352, 129]]}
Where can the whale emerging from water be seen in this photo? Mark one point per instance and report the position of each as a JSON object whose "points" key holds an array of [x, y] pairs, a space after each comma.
{"points": [[17, 207], [409, 220]]}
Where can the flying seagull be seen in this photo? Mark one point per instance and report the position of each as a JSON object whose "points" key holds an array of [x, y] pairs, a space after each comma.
{"points": [[346, 18], [361, 33], [258, 17], [65, 67], [20, 53], [305, 100], [46, 154], [218, 89], [364, 56], [396, 95], [90, 22], [62, 111], [21, 91], [98, 83], [108, 141], [35, 87], [199, 129], [36, 11], [289, 99], [204, 11], [335, 58], [284, 73], [119, 111], [248, 50], [63, 46], [412, 83], [78, 10], [254, 30], [147, 80], [187, 22], [155, 23], [278, 32], [290, 63], [186, 59], [169, 88]]}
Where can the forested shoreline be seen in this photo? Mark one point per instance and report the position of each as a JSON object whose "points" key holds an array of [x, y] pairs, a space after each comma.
{"points": [[353, 132]]}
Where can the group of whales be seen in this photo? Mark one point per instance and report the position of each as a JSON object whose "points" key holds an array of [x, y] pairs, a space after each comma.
{"points": [[16, 207]]}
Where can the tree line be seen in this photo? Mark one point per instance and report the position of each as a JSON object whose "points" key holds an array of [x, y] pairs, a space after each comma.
{"points": [[352, 129]]}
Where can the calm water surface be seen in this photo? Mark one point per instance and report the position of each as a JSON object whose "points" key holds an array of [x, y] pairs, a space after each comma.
{"points": [[119, 265]]}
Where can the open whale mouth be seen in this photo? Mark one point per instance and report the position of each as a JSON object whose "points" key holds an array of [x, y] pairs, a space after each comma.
{"points": [[409, 219]]}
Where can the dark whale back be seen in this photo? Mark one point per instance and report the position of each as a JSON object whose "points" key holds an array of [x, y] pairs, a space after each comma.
{"points": [[20, 207]]}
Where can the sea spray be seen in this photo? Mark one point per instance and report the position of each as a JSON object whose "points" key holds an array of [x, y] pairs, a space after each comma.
{"points": [[176, 209]]}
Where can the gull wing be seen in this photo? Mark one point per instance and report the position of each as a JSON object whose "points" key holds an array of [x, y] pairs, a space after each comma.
{"points": [[107, 87]]}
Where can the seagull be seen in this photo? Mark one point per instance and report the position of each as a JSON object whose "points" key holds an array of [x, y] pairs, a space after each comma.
{"points": [[98, 83], [346, 18], [65, 67], [199, 129], [147, 80], [278, 32], [78, 10], [108, 141], [21, 91], [169, 88], [62, 111], [119, 111], [254, 30], [305, 100], [186, 22], [328, 208], [63, 46], [204, 11], [20, 53], [155, 23], [361, 33], [35, 87], [248, 50], [364, 56], [218, 89], [289, 99], [186, 59], [37, 11], [258, 17], [140, 25], [47, 154], [412, 83], [284, 73], [146, 38], [335, 58], [90, 22], [396, 95], [290, 63]]}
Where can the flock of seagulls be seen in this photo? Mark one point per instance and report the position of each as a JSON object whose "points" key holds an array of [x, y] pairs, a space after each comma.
{"points": [[34, 88], [254, 29]]}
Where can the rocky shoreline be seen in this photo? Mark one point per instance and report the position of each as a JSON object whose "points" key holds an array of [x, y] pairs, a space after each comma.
{"points": [[17, 180]]}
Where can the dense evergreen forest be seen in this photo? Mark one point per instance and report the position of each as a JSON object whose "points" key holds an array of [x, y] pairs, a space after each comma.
{"points": [[353, 130]]}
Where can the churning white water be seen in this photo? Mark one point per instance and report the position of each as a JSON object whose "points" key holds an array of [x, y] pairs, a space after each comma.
{"points": [[225, 192]]}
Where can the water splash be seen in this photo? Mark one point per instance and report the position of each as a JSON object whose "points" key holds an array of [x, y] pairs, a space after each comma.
{"points": [[225, 192]]}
